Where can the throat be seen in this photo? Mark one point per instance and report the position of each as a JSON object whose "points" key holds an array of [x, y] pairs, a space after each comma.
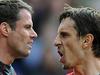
{"points": [[88, 68]]}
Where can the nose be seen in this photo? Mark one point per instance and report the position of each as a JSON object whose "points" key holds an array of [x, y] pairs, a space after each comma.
{"points": [[57, 41], [34, 34]]}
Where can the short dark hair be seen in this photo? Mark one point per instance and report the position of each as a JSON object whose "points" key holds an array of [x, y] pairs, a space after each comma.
{"points": [[87, 20], [9, 11]]}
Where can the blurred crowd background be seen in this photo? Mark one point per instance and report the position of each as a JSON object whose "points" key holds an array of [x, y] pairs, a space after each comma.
{"points": [[43, 59]]}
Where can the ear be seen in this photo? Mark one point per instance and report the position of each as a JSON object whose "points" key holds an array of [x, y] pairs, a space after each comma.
{"points": [[4, 28], [87, 41]]}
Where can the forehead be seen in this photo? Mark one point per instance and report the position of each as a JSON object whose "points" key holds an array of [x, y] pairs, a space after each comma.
{"points": [[67, 25], [24, 14], [25, 18]]}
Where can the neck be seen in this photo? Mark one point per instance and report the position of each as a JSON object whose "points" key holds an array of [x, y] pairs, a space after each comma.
{"points": [[89, 67], [5, 56]]}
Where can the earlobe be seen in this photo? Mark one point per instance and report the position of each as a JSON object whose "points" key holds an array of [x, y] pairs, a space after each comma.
{"points": [[4, 28], [88, 41]]}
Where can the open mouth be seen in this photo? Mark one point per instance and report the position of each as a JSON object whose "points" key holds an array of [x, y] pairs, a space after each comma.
{"points": [[60, 53], [62, 60]]}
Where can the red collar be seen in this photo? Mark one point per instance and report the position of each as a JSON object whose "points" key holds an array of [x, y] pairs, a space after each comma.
{"points": [[70, 72]]}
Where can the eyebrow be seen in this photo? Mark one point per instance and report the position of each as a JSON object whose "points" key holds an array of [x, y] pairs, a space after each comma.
{"points": [[64, 33], [29, 25]]}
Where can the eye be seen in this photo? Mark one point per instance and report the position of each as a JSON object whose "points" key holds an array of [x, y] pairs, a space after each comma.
{"points": [[28, 26], [64, 34]]}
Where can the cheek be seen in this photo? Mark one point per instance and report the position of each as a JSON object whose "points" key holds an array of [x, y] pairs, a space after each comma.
{"points": [[13, 41], [70, 58], [23, 36], [18, 37], [68, 50], [74, 49]]}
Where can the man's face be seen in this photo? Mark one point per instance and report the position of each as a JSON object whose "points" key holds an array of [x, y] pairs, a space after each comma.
{"points": [[69, 45], [20, 40]]}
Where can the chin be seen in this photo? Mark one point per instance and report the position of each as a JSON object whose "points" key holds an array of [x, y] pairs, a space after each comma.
{"points": [[23, 55], [26, 52]]}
